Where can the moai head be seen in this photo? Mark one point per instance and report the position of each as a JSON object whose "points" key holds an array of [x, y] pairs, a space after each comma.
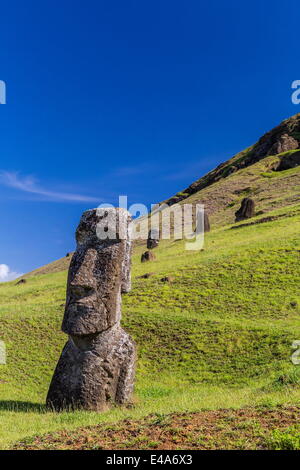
{"points": [[99, 272], [202, 222], [247, 209], [153, 234], [153, 238]]}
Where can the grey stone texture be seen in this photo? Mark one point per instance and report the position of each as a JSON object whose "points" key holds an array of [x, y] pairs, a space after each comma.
{"points": [[97, 365], [148, 256], [153, 239], [289, 161], [246, 211]]}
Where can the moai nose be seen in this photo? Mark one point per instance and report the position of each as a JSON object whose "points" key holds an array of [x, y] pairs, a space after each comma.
{"points": [[80, 291], [83, 281]]}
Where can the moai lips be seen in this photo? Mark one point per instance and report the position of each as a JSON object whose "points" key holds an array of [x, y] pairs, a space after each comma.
{"points": [[97, 364]]}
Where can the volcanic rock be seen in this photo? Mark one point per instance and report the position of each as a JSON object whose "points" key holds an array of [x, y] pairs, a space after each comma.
{"points": [[97, 365], [246, 211], [148, 256]]}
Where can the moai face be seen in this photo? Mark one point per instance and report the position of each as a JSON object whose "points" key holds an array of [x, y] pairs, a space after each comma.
{"points": [[99, 272]]}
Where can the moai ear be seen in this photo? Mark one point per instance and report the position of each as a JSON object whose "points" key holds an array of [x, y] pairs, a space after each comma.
{"points": [[126, 271], [124, 227]]}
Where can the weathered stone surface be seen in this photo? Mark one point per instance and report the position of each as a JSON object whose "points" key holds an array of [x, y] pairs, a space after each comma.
{"points": [[98, 273], [148, 256], [94, 371], [153, 239], [289, 161], [206, 222], [246, 210], [203, 224], [284, 143], [97, 365]]}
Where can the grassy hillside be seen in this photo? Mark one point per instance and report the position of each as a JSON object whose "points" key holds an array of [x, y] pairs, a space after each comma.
{"points": [[218, 336], [282, 139], [55, 267], [268, 188]]}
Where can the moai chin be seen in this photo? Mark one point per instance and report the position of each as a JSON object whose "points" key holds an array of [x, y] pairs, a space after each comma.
{"points": [[97, 365]]}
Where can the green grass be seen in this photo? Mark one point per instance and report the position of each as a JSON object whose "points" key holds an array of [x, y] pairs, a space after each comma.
{"points": [[218, 336], [288, 439]]}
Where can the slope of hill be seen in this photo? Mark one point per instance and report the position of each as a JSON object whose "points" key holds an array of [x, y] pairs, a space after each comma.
{"points": [[202, 342], [55, 267], [283, 138], [218, 336], [252, 173]]}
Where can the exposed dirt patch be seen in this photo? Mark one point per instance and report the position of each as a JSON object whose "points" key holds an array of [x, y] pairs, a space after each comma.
{"points": [[247, 428]]}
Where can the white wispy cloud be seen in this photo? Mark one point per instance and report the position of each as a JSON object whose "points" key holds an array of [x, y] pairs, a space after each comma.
{"points": [[6, 274], [29, 184]]}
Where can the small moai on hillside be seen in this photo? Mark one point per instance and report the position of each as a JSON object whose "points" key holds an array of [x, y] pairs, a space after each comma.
{"points": [[206, 222], [97, 365], [246, 211], [153, 239], [148, 256], [202, 224]]}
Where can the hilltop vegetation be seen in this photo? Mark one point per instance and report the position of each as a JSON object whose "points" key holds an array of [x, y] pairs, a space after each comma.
{"points": [[218, 336]]}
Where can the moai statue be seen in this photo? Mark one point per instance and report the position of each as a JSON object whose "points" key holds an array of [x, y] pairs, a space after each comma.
{"points": [[97, 365], [153, 239], [148, 256], [246, 211], [202, 222], [206, 222]]}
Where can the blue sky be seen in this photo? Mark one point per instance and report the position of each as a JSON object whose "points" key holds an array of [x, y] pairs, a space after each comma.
{"points": [[136, 98]]}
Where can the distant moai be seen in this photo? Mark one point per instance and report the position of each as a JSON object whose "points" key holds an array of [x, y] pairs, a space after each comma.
{"points": [[246, 211], [97, 365], [153, 239], [148, 256], [203, 224], [206, 222]]}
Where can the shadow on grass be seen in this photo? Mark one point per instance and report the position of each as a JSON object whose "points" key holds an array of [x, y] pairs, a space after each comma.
{"points": [[22, 406]]}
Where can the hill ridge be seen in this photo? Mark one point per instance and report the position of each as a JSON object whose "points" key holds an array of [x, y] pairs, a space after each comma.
{"points": [[282, 138]]}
